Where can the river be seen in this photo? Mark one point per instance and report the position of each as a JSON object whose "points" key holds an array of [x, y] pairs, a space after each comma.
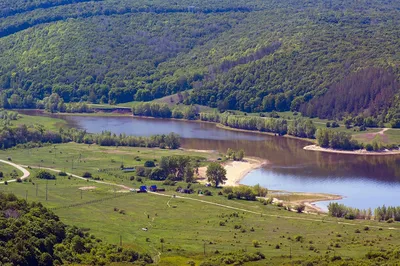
{"points": [[364, 181]]}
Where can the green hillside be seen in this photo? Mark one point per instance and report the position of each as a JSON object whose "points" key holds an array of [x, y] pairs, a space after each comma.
{"points": [[322, 58]]}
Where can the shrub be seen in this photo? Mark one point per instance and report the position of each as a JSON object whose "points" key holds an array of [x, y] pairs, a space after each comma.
{"points": [[45, 175], [366, 228], [149, 164], [19, 180], [369, 147], [139, 179], [277, 246], [207, 192], [221, 223], [131, 178], [1, 175], [62, 173], [299, 238], [5, 183], [256, 243], [87, 175], [140, 171], [300, 208], [334, 124]]}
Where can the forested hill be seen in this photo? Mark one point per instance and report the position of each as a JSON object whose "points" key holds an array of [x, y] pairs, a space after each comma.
{"points": [[32, 235], [325, 58]]}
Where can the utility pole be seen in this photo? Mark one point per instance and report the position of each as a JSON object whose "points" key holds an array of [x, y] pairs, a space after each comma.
{"points": [[47, 182]]}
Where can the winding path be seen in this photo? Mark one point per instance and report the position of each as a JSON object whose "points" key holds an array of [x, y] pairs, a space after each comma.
{"points": [[26, 175], [25, 172]]}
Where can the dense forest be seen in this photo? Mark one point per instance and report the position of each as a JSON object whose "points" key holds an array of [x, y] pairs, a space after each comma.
{"points": [[326, 59], [32, 235]]}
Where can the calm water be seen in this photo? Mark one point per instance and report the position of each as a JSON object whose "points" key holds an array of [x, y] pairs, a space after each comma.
{"points": [[365, 181]]}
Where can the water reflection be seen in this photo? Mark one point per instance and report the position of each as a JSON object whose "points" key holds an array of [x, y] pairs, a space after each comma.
{"points": [[291, 167]]}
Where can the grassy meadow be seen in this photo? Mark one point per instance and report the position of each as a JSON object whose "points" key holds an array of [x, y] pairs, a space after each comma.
{"points": [[191, 227]]}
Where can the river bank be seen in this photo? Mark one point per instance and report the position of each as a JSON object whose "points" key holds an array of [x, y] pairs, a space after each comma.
{"points": [[235, 170], [355, 152], [292, 199]]}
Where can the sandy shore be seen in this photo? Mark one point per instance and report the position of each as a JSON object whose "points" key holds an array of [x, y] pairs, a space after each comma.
{"points": [[356, 152], [293, 199], [235, 170]]}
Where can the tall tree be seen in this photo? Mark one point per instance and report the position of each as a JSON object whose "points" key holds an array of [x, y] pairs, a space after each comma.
{"points": [[216, 174]]}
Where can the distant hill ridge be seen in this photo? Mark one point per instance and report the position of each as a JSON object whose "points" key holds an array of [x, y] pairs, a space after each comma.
{"points": [[322, 58]]}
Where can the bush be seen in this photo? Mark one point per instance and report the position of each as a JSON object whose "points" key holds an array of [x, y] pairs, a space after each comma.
{"points": [[139, 179], [140, 171], [45, 175], [300, 208], [207, 192], [299, 238], [19, 180], [334, 124], [5, 183], [149, 164], [131, 178], [256, 243], [369, 147], [87, 175], [62, 173], [1, 175]]}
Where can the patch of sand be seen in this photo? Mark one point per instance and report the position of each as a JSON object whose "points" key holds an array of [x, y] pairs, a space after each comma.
{"points": [[235, 170], [87, 188], [356, 152]]}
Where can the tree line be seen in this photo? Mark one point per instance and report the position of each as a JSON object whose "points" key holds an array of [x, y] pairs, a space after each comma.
{"points": [[382, 213], [22, 134]]}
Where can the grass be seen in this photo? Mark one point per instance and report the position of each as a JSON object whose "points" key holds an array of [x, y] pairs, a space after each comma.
{"points": [[7, 171], [393, 135], [188, 226], [80, 158], [49, 123]]}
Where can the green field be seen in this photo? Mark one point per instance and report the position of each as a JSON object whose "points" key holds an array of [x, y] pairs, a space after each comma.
{"points": [[188, 225], [8, 171], [49, 123]]}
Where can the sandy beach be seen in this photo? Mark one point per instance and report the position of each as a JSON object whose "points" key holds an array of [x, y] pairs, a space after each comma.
{"points": [[235, 170], [356, 152]]}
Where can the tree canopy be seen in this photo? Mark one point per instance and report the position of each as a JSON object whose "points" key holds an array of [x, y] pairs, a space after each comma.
{"points": [[253, 56], [216, 174]]}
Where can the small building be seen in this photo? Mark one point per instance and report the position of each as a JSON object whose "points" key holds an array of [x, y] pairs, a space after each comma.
{"points": [[127, 170]]}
